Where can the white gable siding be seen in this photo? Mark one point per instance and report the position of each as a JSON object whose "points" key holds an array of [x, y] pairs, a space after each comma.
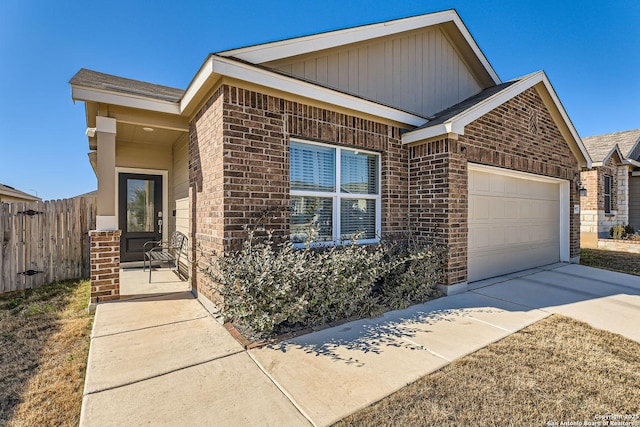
{"points": [[420, 72]]}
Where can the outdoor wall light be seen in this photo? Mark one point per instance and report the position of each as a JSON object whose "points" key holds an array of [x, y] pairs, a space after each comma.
{"points": [[90, 132], [581, 189]]}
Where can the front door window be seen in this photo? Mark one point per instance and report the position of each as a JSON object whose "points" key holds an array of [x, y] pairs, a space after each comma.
{"points": [[139, 212], [140, 205]]}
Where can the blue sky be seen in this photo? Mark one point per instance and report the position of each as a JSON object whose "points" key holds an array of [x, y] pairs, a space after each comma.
{"points": [[590, 51]]}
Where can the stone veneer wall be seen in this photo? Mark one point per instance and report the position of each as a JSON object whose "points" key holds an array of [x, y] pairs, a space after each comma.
{"points": [[594, 222]]}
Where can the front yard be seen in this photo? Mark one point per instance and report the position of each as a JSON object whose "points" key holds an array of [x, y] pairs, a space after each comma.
{"points": [[557, 370], [44, 344], [609, 260]]}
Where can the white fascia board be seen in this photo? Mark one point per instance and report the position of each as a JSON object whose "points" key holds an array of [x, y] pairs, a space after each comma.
{"points": [[18, 194], [615, 149], [205, 71], [566, 119], [457, 123], [426, 133], [125, 100], [632, 162], [267, 52], [298, 46], [634, 146], [251, 74]]}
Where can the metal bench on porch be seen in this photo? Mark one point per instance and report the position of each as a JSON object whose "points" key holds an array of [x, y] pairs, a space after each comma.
{"points": [[165, 251]]}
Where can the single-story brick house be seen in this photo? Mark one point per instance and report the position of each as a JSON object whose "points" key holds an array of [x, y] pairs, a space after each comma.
{"points": [[364, 129], [613, 185]]}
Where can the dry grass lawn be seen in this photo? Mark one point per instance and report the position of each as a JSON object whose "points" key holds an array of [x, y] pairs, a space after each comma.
{"points": [[609, 260], [557, 370], [44, 343]]}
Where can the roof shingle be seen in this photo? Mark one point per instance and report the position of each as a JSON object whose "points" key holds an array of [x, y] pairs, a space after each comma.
{"points": [[600, 146], [96, 80]]}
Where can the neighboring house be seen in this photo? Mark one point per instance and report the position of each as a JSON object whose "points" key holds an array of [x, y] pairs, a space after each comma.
{"points": [[9, 195], [367, 129], [613, 185]]}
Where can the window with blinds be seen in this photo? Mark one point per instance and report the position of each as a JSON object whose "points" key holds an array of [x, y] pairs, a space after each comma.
{"points": [[607, 194], [335, 194]]}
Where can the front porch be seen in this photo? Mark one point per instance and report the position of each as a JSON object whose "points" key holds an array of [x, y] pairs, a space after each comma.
{"points": [[134, 282]]}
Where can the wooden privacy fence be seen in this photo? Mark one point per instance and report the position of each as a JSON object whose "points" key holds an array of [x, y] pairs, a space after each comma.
{"points": [[42, 242]]}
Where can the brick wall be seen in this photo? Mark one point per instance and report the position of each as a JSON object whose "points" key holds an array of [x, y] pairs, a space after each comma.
{"points": [[438, 201], [105, 265], [206, 181], [503, 138], [239, 168]]}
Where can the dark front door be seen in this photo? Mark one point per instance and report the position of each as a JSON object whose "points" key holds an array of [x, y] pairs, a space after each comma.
{"points": [[139, 213]]}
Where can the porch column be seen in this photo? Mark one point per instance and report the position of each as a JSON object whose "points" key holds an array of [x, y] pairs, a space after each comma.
{"points": [[105, 266], [105, 240], [106, 171]]}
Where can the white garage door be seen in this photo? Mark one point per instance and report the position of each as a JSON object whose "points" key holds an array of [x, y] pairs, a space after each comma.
{"points": [[514, 223]]}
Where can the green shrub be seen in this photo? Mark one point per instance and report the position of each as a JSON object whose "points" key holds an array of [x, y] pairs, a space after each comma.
{"points": [[629, 230], [619, 232], [270, 286]]}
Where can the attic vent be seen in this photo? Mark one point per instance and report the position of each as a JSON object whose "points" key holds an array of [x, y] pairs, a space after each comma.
{"points": [[533, 122]]}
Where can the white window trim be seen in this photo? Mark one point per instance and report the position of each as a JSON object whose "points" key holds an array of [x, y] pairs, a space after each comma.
{"points": [[337, 195]]}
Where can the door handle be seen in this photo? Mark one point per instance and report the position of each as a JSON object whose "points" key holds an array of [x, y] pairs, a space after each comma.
{"points": [[160, 226]]}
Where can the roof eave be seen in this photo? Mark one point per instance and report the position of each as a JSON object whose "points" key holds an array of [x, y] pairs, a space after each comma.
{"points": [[632, 162], [215, 66], [268, 52], [19, 195], [457, 123], [83, 93]]}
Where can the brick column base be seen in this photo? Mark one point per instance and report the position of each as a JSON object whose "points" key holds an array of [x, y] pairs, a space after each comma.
{"points": [[105, 266]]}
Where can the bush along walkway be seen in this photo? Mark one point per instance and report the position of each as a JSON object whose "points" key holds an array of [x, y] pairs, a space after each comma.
{"points": [[271, 288]]}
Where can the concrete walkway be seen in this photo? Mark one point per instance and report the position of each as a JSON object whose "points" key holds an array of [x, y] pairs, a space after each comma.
{"points": [[163, 360]]}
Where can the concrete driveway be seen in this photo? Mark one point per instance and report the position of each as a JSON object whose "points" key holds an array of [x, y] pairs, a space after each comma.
{"points": [[166, 361]]}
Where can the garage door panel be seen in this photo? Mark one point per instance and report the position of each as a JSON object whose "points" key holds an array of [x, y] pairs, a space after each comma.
{"points": [[496, 209], [514, 224]]}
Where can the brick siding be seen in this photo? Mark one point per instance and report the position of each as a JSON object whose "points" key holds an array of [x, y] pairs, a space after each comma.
{"points": [[239, 167], [501, 138], [105, 265]]}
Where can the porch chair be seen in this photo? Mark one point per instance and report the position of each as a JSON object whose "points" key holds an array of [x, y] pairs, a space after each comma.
{"points": [[165, 251]]}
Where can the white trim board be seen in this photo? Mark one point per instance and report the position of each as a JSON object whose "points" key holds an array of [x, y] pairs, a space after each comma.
{"points": [[117, 98], [457, 123], [268, 52], [217, 65]]}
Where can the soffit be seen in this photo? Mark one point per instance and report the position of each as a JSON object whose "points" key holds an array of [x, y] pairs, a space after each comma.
{"points": [[136, 133]]}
